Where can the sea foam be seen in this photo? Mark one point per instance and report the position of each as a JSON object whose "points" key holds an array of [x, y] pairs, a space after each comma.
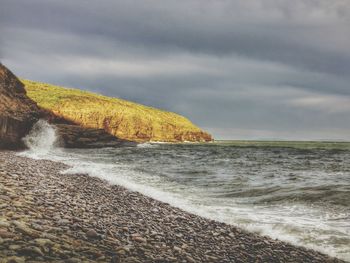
{"points": [[41, 139], [182, 176]]}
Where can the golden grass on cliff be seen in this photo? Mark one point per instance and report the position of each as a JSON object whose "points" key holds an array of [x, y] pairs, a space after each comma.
{"points": [[124, 119]]}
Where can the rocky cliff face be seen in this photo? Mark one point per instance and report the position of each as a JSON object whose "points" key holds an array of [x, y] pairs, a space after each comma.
{"points": [[120, 118], [17, 112], [74, 136]]}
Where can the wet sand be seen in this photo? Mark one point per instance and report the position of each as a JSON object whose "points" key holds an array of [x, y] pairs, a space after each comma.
{"points": [[46, 216]]}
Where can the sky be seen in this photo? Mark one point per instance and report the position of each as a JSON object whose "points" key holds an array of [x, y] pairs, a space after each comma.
{"points": [[257, 69]]}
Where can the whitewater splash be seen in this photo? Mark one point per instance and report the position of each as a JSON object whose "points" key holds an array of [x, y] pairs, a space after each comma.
{"points": [[147, 145], [41, 140]]}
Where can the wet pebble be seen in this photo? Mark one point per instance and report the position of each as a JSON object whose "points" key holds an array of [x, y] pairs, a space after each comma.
{"points": [[46, 216]]}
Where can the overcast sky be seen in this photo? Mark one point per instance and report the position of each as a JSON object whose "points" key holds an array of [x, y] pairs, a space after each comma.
{"points": [[244, 69]]}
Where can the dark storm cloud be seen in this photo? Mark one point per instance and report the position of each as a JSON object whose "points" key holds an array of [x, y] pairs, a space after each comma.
{"points": [[259, 65], [266, 31], [215, 27]]}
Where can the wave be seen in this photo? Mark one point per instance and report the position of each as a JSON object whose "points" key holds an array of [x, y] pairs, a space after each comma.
{"points": [[41, 140], [196, 180], [295, 223], [148, 145]]}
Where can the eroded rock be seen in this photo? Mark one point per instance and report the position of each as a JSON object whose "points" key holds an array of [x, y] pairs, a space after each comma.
{"points": [[18, 113]]}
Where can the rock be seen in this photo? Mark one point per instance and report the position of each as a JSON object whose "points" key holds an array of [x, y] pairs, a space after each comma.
{"points": [[91, 233], [37, 227], [4, 224], [155, 210], [18, 113], [14, 247], [95, 253], [15, 260], [75, 136], [190, 259], [177, 249], [63, 222], [212, 258], [184, 246], [121, 251], [24, 229], [131, 260], [73, 260], [139, 239], [42, 242], [32, 251], [6, 234], [48, 236]]}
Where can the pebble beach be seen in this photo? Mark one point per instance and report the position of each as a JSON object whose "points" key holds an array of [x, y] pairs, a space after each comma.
{"points": [[47, 216]]}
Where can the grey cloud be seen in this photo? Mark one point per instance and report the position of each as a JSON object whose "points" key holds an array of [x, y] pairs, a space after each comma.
{"points": [[271, 30], [249, 65]]}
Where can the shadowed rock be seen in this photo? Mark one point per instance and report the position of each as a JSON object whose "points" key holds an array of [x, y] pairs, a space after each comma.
{"points": [[18, 113], [74, 136]]}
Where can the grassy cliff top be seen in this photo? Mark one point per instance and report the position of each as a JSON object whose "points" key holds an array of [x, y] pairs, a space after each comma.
{"points": [[68, 102]]}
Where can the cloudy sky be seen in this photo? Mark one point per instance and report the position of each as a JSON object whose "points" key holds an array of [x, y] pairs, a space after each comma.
{"points": [[240, 69]]}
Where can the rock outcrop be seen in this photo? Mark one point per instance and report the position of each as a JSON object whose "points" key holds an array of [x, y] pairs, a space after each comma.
{"points": [[74, 136], [120, 118], [18, 113]]}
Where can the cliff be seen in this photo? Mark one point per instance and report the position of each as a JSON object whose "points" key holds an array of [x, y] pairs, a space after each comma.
{"points": [[17, 112], [120, 118]]}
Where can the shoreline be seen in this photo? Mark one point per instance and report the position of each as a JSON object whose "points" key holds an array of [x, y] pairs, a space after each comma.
{"points": [[51, 217]]}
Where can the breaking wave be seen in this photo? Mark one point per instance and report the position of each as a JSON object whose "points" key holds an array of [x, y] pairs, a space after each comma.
{"points": [[41, 140], [291, 194]]}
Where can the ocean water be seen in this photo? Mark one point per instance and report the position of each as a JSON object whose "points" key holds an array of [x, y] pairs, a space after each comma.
{"points": [[293, 191]]}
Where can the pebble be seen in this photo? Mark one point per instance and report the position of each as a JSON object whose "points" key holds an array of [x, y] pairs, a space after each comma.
{"points": [[73, 260], [14, 260], [6, 234], [46, 216], [14, 247], [42, 242], [63, 222], [24, 229], [91, 233], [32, 251], [4, 224], [139, 239]]}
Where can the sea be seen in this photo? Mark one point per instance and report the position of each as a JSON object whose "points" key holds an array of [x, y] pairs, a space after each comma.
{"points": [[297, 192]]}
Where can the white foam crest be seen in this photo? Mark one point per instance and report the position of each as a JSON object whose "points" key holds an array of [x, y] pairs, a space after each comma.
{"points": [[41, 140], [120, 175], [148, 145]]}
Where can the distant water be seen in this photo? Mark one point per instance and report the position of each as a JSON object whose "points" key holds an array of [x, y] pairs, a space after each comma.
{"points": [[297, 192]]}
